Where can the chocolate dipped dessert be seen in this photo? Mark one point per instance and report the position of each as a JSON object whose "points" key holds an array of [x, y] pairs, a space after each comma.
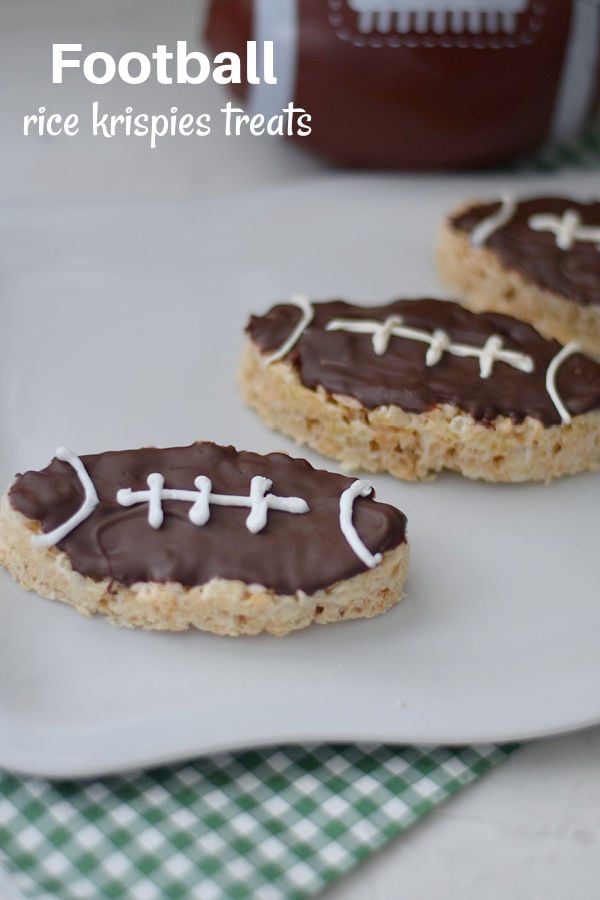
{"points": [[537, 259], [417, 386], [206, 536]]}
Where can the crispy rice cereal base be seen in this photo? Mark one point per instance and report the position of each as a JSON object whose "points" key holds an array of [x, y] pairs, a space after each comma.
{"points": [[221, 606], [415, 446], [485, 285]]}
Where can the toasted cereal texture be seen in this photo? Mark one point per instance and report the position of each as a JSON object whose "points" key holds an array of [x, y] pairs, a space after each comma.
{"points": [[415, 446], [221, 606], [484, 284]]}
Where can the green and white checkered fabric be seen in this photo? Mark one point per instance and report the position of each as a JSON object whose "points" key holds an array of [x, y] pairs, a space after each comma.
{"points": [[268, 824]]}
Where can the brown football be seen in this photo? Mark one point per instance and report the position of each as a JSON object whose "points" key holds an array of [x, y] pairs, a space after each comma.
{"points": [[422, 83]]}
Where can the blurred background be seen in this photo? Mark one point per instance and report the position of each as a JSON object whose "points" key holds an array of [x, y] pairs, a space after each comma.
{"points": [[349, 73]]}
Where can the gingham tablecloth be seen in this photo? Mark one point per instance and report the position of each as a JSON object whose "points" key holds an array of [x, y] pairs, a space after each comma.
{"points": [[269, 824]]}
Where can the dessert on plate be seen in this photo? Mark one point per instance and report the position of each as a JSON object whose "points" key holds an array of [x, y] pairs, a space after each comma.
{"points": [[417, 386], [537, 259], [227, 541]]}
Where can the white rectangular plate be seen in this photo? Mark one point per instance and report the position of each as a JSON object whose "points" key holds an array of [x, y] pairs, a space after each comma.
{"points": [[121, 326]]}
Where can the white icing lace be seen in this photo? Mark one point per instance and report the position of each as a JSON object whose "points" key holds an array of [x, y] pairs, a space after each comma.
{"points": [[306, 318], [258, 500], [486, 228], [358, 488], [567, 228], [551, 373], [439, 343], [90, 502]]}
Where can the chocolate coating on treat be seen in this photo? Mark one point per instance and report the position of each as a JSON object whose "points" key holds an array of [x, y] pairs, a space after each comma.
{"points": [[292, 552], [573, 273], [345, 363]]}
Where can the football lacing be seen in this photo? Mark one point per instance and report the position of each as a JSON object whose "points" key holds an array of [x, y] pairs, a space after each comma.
{"points": [[441, 17]]}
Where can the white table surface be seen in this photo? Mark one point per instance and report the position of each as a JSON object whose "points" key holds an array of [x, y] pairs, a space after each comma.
{"points": [[531, 828]]}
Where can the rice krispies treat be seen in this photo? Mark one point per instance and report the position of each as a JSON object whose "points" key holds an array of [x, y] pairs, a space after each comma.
{"points": [[388, 408], [263, 560], [537, 259]]}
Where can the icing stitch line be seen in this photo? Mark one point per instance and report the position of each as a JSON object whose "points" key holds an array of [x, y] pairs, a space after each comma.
{"points": [[567, 229], [488, 226], [258, 501], [556, 362], [439, 343], [306, 318], [89, 504], [358, 488], [342, 31]]}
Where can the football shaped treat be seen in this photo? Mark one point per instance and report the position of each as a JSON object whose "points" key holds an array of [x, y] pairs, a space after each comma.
{"points": [[418, 386], [538, 259], [205, 536], [421, 83]]}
